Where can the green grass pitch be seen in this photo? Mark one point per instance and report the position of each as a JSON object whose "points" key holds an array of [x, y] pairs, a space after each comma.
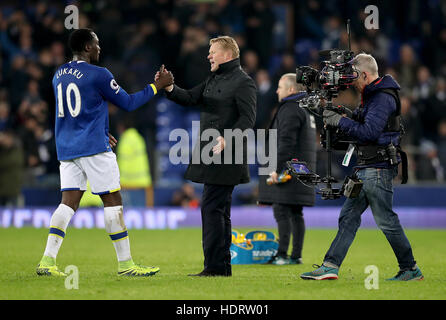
{"points": [[178, 253]]}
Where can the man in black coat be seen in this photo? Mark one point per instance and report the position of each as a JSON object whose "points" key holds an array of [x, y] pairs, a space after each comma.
{"points": [[296, 139], [228, 101]]}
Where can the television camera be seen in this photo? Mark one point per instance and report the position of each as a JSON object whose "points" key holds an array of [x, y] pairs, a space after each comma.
{"points": [[337, 74]]}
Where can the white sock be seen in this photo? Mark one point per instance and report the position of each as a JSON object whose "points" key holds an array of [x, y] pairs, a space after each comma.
{"points": [[116, 229], [58, 225]]}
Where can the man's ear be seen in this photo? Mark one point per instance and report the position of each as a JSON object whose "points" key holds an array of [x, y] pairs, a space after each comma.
{"points": [[88, 47], [229, 55]]}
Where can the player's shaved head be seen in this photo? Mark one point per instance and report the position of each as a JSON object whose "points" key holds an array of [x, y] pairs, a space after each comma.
{"points": [[84, 44], [79, 39]]}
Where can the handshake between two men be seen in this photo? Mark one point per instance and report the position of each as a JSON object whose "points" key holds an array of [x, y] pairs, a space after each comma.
{"points": [[165, 80]]}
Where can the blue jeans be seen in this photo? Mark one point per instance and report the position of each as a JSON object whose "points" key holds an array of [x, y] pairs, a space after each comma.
{"points": [[377, 192]]}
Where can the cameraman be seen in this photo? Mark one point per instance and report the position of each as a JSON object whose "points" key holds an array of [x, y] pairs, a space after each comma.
{"points": [[376, 128], [296, 133]]}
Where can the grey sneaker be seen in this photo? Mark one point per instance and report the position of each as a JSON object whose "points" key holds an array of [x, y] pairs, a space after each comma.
{"points": [[321, 273], [407, 275]]}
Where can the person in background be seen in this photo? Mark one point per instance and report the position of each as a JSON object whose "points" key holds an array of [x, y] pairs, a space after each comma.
{"points": [[133, 162], [12, 166], [296, 139], [186, 197]]}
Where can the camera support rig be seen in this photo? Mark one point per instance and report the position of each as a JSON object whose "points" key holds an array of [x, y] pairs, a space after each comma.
{"points": [[337, 74], [329, 192]]}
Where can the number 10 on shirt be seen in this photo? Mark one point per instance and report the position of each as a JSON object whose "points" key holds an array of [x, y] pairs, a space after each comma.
{"points": [[72, 87]]}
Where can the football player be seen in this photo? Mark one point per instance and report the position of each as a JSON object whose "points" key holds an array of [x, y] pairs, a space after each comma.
{"points": [[83, 147]]}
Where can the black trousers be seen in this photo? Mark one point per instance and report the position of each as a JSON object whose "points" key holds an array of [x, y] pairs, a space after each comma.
{"points": [[216, 227], [290, 220]]}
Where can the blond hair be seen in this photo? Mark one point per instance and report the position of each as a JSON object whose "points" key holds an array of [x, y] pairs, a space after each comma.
{"points": [[366, 62], [227, 43]]}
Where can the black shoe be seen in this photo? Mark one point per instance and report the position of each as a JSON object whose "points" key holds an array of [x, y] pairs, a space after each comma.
{"points": [[206, 273]]}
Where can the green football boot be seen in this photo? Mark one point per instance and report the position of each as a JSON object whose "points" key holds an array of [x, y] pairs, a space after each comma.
{"points": [[129, 268], [47, 267]]}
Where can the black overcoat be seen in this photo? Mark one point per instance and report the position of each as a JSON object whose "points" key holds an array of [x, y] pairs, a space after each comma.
{"points": [[227, 100], [296, 139]]}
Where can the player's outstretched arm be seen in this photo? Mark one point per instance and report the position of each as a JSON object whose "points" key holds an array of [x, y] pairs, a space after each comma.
{"points": [[111, 91]]}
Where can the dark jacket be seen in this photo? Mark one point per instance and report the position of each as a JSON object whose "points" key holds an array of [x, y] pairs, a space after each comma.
{"points": [[296, 139], [369, 120], [12, 167], [228, 101]]}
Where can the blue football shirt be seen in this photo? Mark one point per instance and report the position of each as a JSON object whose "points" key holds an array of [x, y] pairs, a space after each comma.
{"points": [[82, 91]]}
